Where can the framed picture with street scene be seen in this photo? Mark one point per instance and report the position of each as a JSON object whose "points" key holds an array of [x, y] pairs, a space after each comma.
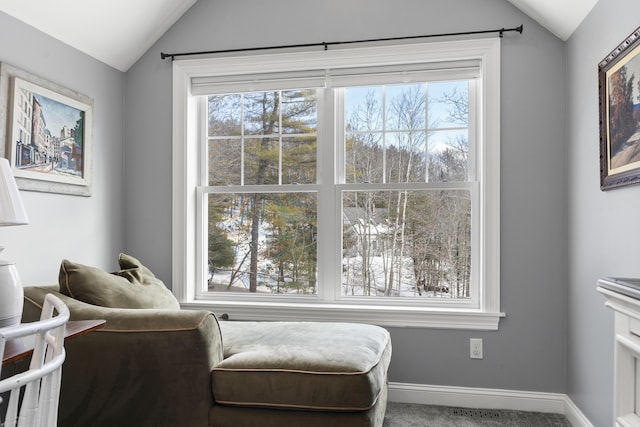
{"points": [[619, 89], [48, 139]]}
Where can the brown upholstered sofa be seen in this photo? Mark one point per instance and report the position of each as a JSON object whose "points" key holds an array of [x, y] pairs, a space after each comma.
{"points": [[172, 367]]}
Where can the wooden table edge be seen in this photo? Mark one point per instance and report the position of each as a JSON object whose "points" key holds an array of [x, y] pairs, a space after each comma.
{"points": [[73, 329]]}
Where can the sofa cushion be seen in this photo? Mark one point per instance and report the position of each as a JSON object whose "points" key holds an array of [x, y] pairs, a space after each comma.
{"points": [[243, 416], [302, 365], [134, 286]]}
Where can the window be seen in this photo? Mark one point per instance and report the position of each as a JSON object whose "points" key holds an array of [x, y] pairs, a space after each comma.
{"points": [[356, 184]]}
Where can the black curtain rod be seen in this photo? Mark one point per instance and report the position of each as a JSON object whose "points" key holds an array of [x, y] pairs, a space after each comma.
{"points": [[326, 45]]}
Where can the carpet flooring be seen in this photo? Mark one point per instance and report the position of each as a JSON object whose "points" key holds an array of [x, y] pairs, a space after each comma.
{"points": [[411, 415]]}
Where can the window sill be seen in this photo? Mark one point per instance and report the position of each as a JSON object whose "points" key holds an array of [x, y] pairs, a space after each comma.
{"points": [[379, 315]]}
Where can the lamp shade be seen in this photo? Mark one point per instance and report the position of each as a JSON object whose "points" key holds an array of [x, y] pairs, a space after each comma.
{"points": [[11, 209]]}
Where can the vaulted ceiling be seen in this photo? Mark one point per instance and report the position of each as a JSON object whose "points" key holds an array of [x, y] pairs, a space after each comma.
{"points": [[118, 32]]}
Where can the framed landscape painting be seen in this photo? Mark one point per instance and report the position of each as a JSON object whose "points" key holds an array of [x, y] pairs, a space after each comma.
{"points": [[49, 139], [619, 89]]}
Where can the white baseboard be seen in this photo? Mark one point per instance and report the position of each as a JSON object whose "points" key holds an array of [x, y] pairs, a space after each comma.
{"points": [[575, 415], [489, 399]]}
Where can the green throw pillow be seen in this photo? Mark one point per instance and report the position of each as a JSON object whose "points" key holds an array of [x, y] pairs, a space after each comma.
{"points": [[134, 286]]}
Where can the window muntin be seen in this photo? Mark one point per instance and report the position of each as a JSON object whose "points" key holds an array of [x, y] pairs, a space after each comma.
{"points": [[410, 132], [262, 138], [410, 242], [261, 242], [402, 242]]}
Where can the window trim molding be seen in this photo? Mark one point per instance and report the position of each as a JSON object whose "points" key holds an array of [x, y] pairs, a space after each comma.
{"points": [[391, 316], [185, 174]]}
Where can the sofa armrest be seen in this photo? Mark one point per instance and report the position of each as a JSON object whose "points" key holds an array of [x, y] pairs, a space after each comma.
{"points": [[145, 367]]}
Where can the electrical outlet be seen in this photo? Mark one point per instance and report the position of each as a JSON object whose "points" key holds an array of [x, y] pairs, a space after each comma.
{"points": [[475, 348]]}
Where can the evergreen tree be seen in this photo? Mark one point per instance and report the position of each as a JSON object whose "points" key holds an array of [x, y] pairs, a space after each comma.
{"points": [[271, 151], [621, 123]]}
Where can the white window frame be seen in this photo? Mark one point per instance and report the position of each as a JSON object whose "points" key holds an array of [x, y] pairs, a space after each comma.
{"points": [[187, 211]]}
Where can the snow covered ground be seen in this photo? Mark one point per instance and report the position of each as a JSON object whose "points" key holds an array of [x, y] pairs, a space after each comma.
{"points": [[352, 271]]}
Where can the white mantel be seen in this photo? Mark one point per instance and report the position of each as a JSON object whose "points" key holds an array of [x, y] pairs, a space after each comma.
{"points": [[623, 296]]}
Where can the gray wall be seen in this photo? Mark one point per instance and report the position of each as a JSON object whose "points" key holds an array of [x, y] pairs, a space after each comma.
{"points": [[604, 230], [529, 350], [85, 229]]}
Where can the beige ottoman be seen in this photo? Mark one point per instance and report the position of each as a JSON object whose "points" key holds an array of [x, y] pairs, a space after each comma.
{"points": [[301, 373]]}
